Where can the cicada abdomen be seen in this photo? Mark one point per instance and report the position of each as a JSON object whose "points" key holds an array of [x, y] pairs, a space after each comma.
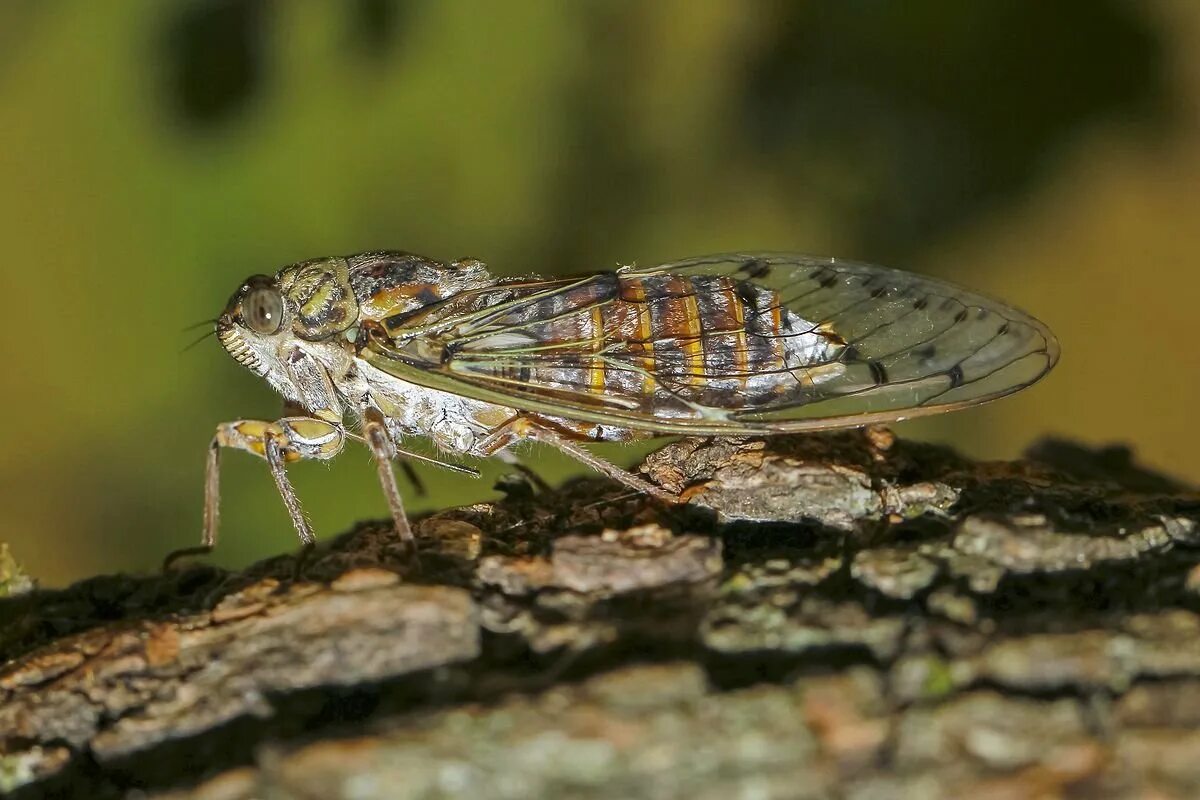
{"points": [[655, 341]]}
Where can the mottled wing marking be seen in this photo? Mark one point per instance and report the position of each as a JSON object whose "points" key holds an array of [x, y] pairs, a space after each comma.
{"points": [[736, 343]]}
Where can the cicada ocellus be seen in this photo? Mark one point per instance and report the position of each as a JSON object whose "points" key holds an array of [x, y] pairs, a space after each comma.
{"points": [[736, 344]]}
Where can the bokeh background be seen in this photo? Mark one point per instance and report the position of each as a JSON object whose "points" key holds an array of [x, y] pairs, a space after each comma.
{"points": [[152, 154]]}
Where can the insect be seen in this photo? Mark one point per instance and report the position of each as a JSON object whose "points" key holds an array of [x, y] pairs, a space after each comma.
{"points": [[735, 344]]}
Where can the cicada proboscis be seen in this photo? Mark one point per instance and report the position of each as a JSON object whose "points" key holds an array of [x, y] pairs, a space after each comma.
{"points": [[736, 344]]}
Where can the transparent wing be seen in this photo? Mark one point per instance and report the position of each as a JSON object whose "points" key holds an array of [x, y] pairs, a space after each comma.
{"points": [[849, 344]]}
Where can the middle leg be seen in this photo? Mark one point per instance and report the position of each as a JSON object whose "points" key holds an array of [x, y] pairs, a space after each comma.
{"points": [[379, 440]]}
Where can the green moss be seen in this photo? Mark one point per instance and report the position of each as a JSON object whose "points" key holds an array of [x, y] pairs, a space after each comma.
{"points": [[13, 581], [938, 681], [15, 771]]}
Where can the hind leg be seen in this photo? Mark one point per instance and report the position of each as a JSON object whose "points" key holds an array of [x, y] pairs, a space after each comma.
{"points": [[538, 430]]}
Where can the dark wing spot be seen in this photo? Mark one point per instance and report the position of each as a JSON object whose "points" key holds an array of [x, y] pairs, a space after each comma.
{"points": [[921, 303], [878, 293], [926, 352], [960, 316], [825, 277], [746, 292], [955, 374], [878, 372], [756, 268], [1002, 330], [850, 354]]}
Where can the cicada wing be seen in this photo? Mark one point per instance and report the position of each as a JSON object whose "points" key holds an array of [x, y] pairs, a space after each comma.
{"points": [[910, 345], [855, 344]]}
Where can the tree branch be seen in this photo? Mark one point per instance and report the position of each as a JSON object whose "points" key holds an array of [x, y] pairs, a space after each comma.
{"points": [[837, 614]]}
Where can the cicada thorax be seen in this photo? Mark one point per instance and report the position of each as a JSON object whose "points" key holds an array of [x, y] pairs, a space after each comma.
{"points": [[720, 341], [393, 284], [321, 296]]}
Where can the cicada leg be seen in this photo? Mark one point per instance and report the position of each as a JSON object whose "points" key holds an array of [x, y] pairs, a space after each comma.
{"points": [[537, 481], [413, 478], [382, 448], [538, 430], [281, 442]]}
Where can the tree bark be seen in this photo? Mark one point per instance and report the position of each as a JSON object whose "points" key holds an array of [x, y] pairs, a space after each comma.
{"points": [[839, 615]]}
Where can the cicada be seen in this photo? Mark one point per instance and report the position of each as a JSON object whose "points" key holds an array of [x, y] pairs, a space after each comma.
{"points": [[741, 344]]}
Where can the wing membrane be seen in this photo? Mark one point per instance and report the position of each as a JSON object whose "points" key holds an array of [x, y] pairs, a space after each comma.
{"points": [[847, 343]]}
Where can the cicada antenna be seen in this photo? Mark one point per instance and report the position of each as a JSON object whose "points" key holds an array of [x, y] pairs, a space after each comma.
{"points": [[202, 337], [193, 326]]}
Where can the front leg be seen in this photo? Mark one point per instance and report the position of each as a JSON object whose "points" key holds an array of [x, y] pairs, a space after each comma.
{"points": [[281, 442]]}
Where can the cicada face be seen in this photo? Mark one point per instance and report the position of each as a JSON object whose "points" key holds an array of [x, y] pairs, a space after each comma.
{"points": [[305, 307], [250, 326]]}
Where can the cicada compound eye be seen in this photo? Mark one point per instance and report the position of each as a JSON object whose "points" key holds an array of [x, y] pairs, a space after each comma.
{"points": [[262, 310]]}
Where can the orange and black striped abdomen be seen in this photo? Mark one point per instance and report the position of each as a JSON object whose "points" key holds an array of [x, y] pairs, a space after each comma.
{"points": [[714, 340], [654, 340]]}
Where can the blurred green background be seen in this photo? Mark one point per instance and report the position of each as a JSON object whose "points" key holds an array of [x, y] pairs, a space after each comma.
{"points": [[152, 154]]}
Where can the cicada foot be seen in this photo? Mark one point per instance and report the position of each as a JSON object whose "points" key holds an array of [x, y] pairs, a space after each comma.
{"points": [[521, 476], [175, 556], [301, 560]]}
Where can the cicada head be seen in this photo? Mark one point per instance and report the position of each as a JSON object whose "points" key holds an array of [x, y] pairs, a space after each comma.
{"points": [[306, 305]]}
